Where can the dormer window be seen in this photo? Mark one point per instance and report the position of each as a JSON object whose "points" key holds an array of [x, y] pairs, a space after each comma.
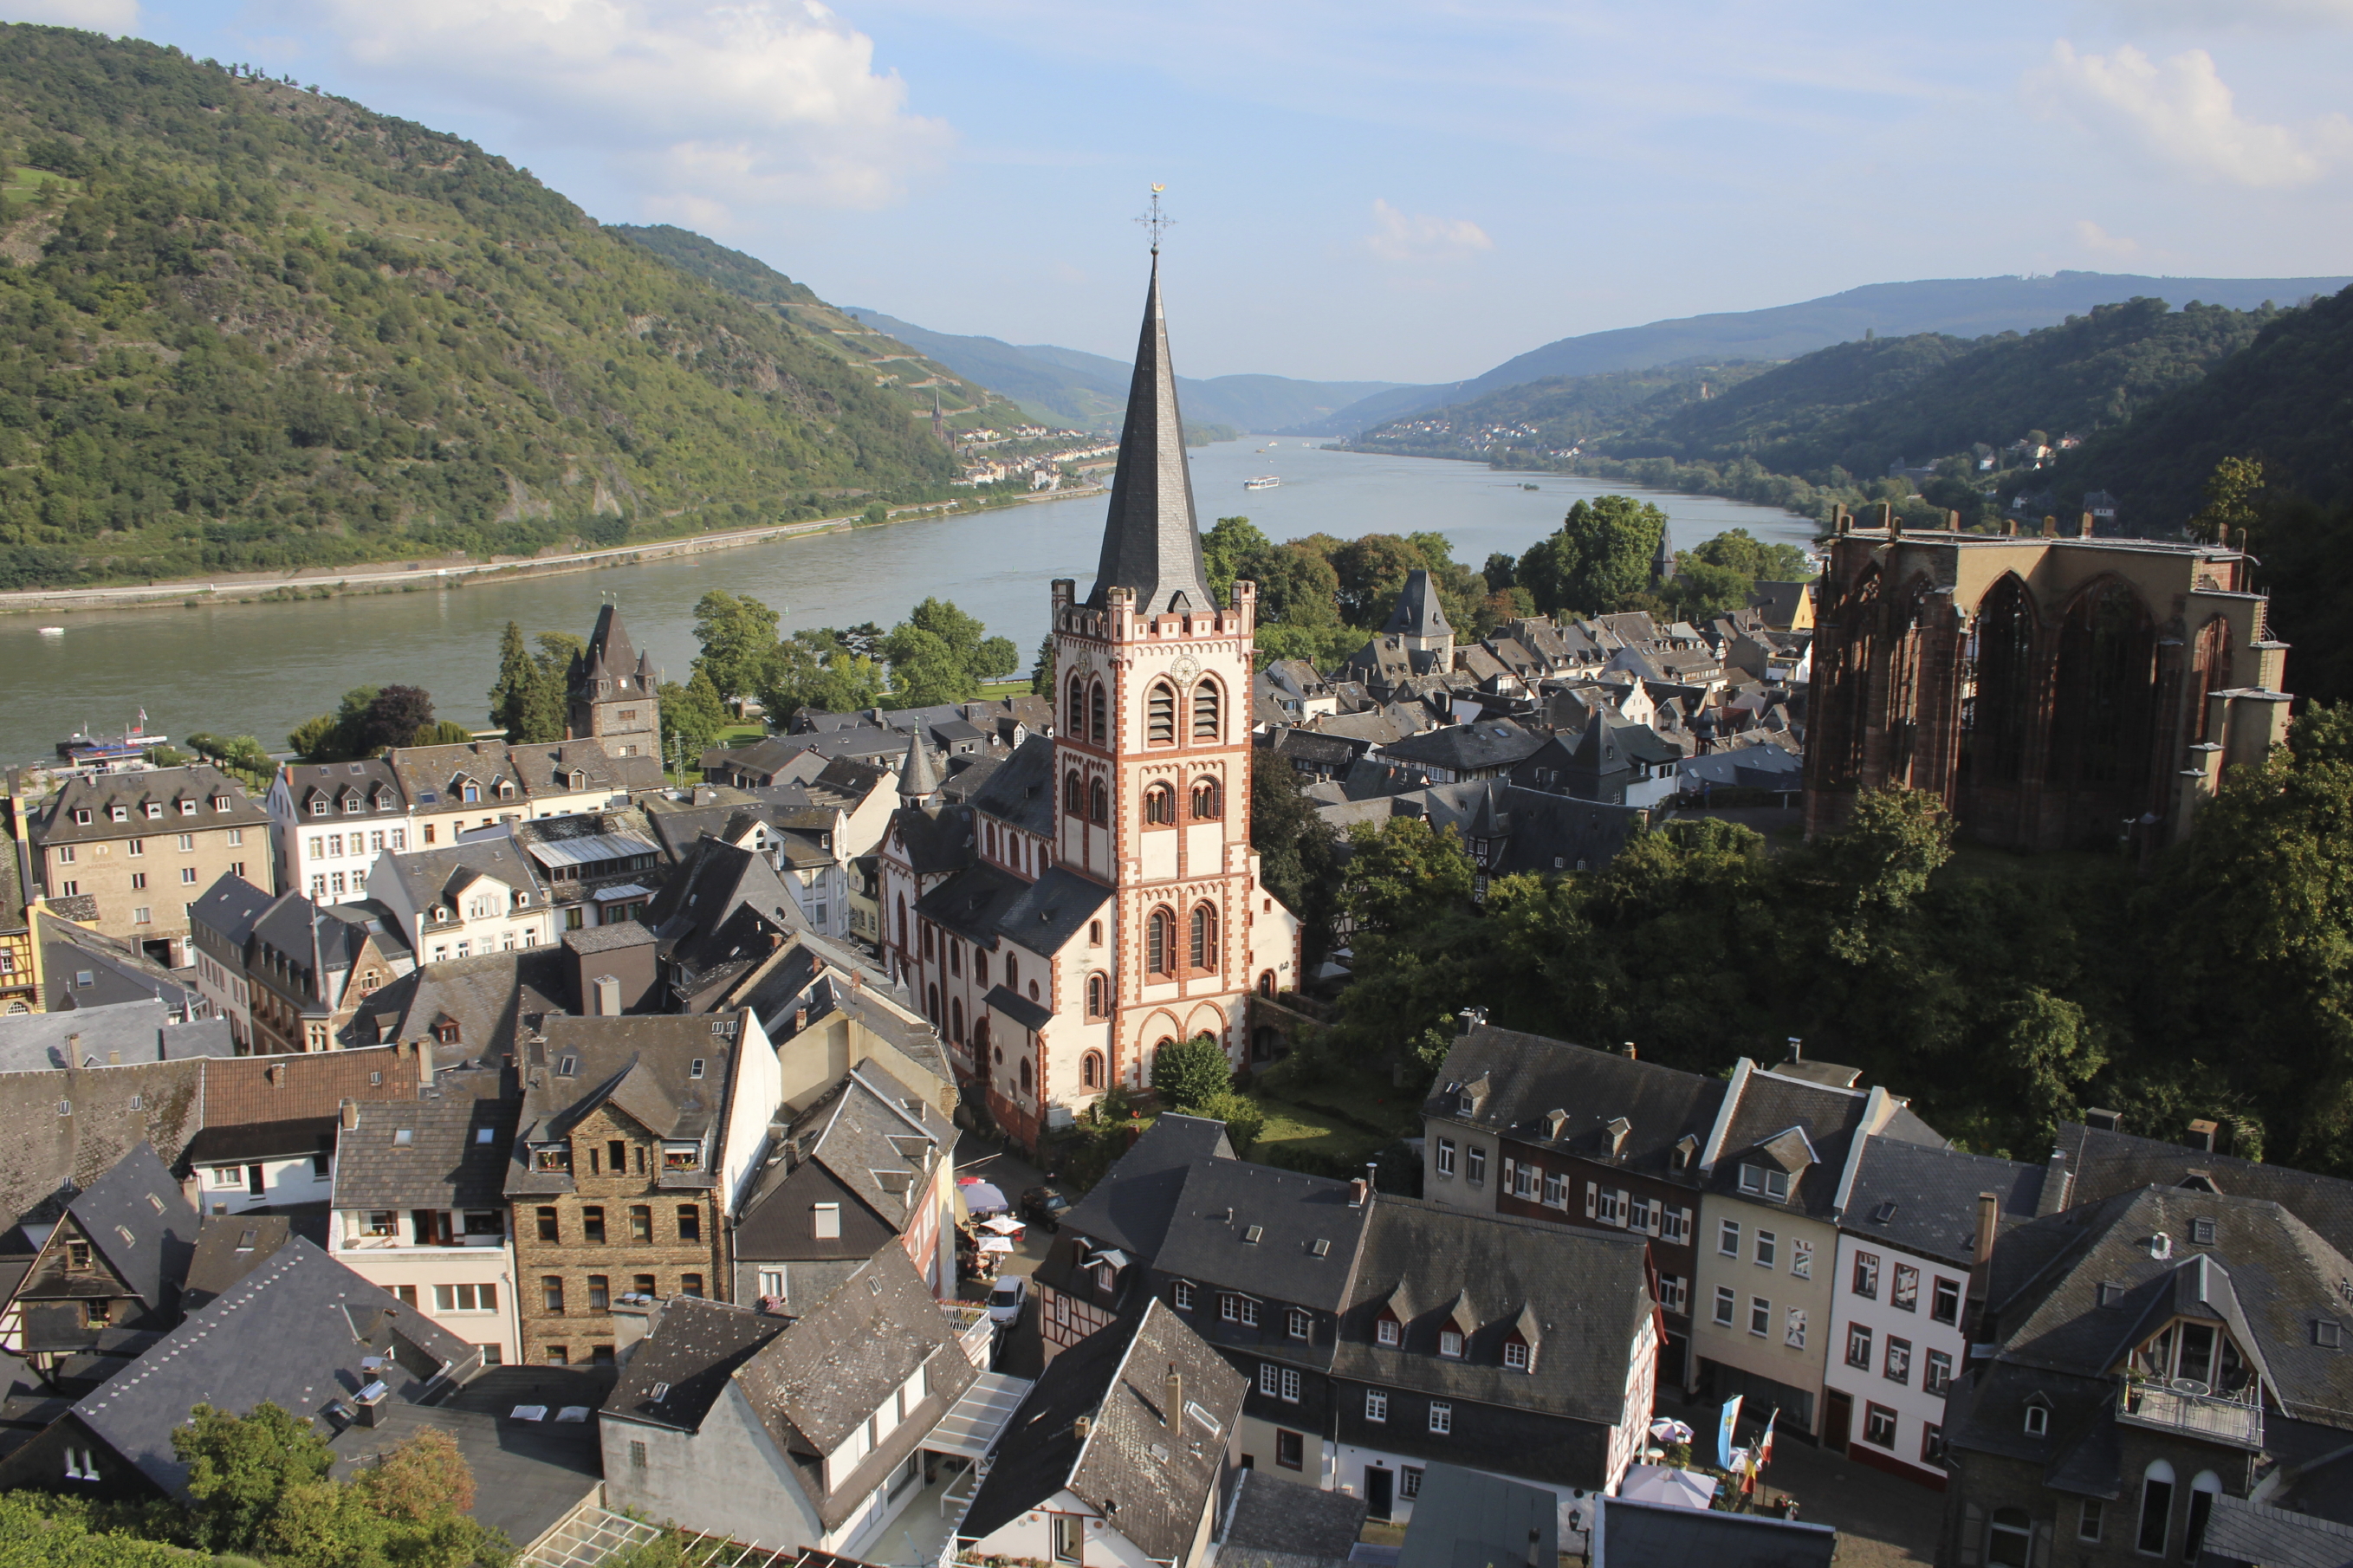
{"points": [[318, 806], [81, 817], [470, 794], [1766, 1182], [1449, 1342], [354, 805], [155, 811], [1388, 1330], [187, 808], [2038, 1420], [1463, 1104], [120, 813], [551, 1157], [681, 1156], [1516, 1354]]}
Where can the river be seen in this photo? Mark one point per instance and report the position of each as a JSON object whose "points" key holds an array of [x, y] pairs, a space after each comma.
{"points": [[259, 669]]}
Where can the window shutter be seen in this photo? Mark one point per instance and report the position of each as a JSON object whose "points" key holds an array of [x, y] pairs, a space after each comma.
{"points": [[1591, 1195], [1972, 1534]]}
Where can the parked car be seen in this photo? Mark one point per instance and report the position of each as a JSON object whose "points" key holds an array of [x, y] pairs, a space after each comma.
{"points": [[1005, 1301], [1045, 1207]]}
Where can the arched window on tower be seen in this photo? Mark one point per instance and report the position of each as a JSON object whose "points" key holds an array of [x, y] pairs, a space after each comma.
{"points": [[1074, 793], [1098, 803], [1090, 1069], [932, 996], [1160, 943], [903, 922], [1266, 984], [1098, 996], [1205, 701], [1098, 721], [1208, 800], [955, 1019], [1205, 938], [1160, 715], [1159, 804], [1025, 1075], [1078, 720]]}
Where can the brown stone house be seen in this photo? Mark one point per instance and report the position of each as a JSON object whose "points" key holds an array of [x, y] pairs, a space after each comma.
{"points": [[138, 848], [111, 1267], [638, 1137]]}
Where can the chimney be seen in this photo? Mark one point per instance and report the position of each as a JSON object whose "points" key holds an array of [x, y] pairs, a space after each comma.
{"points": [[1081, 1426], [1627, 1050], [1797, 1049], [800, 1019], [2104, 1121], [1619, 1128], [2201, 1135], [2056, 1183], [2083, 529], [351, 1115], [1175, 1411], [607, 1001], [1356, 1190], [1988, 1221]]}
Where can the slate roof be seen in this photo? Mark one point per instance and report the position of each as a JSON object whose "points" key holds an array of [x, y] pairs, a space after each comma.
{"points": [[1224, 1201], [99, 793], [1468, 1519], [371, 779], [68, 1128], [1528, 1077], [644, 1066], [690, 1349], [816, 1382], [2102, 1165], [1117, 1378], [1481, 746], [1419, 612], [454, 1157], [1030, 1015], [528, 1475], [866, 1133], [1831, 1119], [1021, 792], [2243, 1532], [137, 1219], [229, 908], [1588, 1290], [293, 1333], [117, 971], [440, 876], [1052, 910], [1279, 1519], [236, 1145], [119, 1034], [974, 902], [490, 996], [1151, 543], [1929, 1196], [229, 1247], [1131, 1206], [1539, 831]]}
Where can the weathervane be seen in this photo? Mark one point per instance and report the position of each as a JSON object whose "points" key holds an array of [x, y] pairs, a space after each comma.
{"points": [[1155, 220]]}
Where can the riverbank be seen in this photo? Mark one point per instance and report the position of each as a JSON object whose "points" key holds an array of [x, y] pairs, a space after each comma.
{"points": [[415, 577]]}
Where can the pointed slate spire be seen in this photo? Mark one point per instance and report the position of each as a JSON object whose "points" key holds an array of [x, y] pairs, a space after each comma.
{"points": [[1151, 541], [1418, 613], [918, 781]]}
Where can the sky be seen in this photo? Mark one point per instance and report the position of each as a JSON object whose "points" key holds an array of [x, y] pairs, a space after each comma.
{"points": [[1396, 190]]}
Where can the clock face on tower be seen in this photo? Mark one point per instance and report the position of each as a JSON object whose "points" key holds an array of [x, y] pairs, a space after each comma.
{"points": [[1186, 668]]}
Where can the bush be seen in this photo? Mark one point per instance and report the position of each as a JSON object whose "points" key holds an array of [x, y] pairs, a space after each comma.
{"points": [[1243, 1116], [1191, 1073]]}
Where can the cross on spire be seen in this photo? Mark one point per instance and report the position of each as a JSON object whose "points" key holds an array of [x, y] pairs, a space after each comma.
{"points": [[1155, 221]]}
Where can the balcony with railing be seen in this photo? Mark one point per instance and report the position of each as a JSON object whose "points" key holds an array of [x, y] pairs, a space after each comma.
{"points": [[2190, 1408]]}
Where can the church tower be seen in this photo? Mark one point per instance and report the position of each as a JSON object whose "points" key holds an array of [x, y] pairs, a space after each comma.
{"points": [[1152, 752], [614, 693]]}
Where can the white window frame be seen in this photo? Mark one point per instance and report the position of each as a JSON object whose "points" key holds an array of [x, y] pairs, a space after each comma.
{"points": [[1760, 1316], [1377, 1405], [1727, 1307], [1446, 1156], [1442, 1418], [1727, 1238]]}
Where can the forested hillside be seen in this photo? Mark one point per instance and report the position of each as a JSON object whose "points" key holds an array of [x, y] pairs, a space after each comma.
{"points": [[246, 326], [1558, 412]]}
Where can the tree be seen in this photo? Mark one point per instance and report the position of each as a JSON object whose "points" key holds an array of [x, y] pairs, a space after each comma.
{"points": [[691, 717], [1041, 673], [1600, 557], [1223, 550], [1371, 571], [1244, 1119], [939, 654], [1296, 584], [1753, 558], [1189, 1074], [336, 737], [393, 718], [2230, 490], [1402, 872], [1501, 572], [547, 706], [442, 733], [1298, 852], [1879, 863], [738, 637], [511, 692], [239, 1467]]}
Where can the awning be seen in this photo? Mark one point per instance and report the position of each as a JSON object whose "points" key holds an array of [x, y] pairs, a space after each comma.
{"points": [[996, 1244], [626, 890], [1002, 1226], [981, 1198], [971, 1428], [1675, 1488]]}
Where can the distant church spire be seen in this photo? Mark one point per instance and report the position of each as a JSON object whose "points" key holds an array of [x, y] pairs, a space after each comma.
{"points": [[1152, 543]]}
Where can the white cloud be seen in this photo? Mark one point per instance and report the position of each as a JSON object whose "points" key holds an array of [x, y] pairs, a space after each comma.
{"points": [[2180, 111], [707, 108], [1418, 237], [99, 15], [2092, 237]]}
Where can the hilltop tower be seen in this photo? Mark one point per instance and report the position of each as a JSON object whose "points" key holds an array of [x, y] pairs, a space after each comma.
{"points": [[615, 693]]}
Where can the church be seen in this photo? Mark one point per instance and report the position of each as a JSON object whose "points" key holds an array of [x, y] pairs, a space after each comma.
{"points": [[1097, 899]]}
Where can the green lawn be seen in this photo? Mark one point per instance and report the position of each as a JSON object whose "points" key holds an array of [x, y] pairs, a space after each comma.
{"points": [[1303, 1129]]}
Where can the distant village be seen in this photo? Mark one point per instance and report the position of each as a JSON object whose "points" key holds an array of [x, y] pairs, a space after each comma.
{"points": [[696, 1155]]}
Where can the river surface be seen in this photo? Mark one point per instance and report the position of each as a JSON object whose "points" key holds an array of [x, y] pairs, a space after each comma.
{"points": [[259, 669]]}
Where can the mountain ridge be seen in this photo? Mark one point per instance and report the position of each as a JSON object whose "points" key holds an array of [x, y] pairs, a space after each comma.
{"points": [[1959, 307]]}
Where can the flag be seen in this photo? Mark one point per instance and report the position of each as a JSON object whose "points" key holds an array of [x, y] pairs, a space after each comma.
{"points": [[1724, 1430], [142, 718], [1765, 1444]]}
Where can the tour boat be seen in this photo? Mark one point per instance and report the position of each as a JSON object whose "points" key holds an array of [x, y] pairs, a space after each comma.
{"points": [[53, 631], [1263, 483]]}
